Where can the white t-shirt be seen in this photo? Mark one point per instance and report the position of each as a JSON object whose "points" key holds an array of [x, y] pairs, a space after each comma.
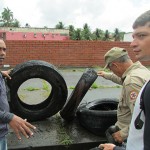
{"points": [[135, 138]]}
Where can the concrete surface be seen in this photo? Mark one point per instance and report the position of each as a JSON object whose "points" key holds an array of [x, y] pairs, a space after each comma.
{"points": [[49, 132], [72, 77]]}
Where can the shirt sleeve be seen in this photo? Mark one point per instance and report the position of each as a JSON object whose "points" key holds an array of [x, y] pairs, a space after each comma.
{"points": [[131, 93], [119, 148], [6, 117], [113, 77]]}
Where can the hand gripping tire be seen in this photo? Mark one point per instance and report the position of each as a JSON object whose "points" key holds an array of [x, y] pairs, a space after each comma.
{"points": [[42, 70], [69, 110], [97, 116], [109, 132]]}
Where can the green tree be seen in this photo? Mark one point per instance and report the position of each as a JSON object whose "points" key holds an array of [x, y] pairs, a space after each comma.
{"points": [[117, 36], [86, 33], [72, 32], [106, 36], [7, 19], [16, 23], [98, 34], [78, 34], [60, 25]]}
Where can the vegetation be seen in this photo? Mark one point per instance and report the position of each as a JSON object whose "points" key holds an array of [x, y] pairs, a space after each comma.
{"points": [[95, 86], [30, 88], [7, 20], [71, 87], [60, 25], [63, 136], [45, 86]]}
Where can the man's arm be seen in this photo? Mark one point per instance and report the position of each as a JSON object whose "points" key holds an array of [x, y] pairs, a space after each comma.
{"points": [[20, 125], [110, 76], [6, 73], [5, 117], [110, 146]]}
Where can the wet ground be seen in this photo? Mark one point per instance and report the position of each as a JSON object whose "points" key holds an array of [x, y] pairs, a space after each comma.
{"points": [[50, 132]]}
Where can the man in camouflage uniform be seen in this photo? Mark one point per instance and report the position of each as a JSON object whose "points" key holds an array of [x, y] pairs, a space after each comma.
{"points": [[132, 77]]}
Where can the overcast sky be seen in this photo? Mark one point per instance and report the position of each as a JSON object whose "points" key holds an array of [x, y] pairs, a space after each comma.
{"points": [[102, 14]]}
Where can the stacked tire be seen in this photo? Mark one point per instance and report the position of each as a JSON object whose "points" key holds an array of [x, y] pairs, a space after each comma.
{"points": [[43, 70], [97, 116]]}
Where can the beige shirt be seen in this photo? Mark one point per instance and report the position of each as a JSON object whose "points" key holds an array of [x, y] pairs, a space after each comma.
{"points": [[132, 81]]}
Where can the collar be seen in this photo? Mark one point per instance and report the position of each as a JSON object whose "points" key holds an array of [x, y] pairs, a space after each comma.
{"points": [[133, 66]]}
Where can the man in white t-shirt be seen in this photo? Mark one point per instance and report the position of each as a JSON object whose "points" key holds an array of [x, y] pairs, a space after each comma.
{"points": [[139, 133]]}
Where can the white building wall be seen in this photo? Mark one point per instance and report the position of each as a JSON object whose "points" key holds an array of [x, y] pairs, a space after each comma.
{"points": [[128, 37]]}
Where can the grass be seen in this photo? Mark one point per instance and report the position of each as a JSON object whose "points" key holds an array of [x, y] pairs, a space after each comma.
{"points": [[63, 136], [45, 86], [71, 87], [96, 86], [44, 91], [30, 88]]}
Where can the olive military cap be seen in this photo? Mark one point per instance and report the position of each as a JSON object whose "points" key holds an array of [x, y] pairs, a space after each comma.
{"points": [[113, 54]]}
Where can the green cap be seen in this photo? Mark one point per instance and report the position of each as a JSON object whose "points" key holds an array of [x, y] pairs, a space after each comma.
{"points": [[113, 54]]}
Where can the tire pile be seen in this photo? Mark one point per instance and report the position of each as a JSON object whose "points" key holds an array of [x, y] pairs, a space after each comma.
{"points": [[95, 116]]}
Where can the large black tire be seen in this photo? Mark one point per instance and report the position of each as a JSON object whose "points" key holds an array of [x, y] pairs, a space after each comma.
{"points": [[69, 110], [43, 70], [97, 116]]}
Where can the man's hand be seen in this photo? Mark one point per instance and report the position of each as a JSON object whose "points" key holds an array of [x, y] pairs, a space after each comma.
{"points": [[6, 73], [107, 146], [101, 73], [117, 137], [21, 126]]}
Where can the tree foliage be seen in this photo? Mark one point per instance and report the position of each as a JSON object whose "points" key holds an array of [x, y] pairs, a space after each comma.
{"points": [[7, 19], [78, 34], [60, 25], [98, 34], [86, 32], [72, 32]]}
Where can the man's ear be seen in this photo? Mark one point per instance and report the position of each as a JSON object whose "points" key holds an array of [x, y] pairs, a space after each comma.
{"points": [[115, 64]]}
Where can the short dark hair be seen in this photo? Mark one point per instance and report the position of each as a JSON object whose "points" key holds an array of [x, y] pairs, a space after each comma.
{"points": [[142, 19]]}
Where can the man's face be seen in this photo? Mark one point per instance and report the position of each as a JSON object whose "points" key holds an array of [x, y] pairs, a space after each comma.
{"points": [[141, 42], [2, 52], [115, 67]]}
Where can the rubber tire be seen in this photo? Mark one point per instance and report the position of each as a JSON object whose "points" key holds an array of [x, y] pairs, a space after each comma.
{"points": [[43, 70], [69, 110], [97, 116]]}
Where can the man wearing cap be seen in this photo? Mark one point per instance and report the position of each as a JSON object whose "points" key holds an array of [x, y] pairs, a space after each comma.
{"points": [[132, 77]]}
